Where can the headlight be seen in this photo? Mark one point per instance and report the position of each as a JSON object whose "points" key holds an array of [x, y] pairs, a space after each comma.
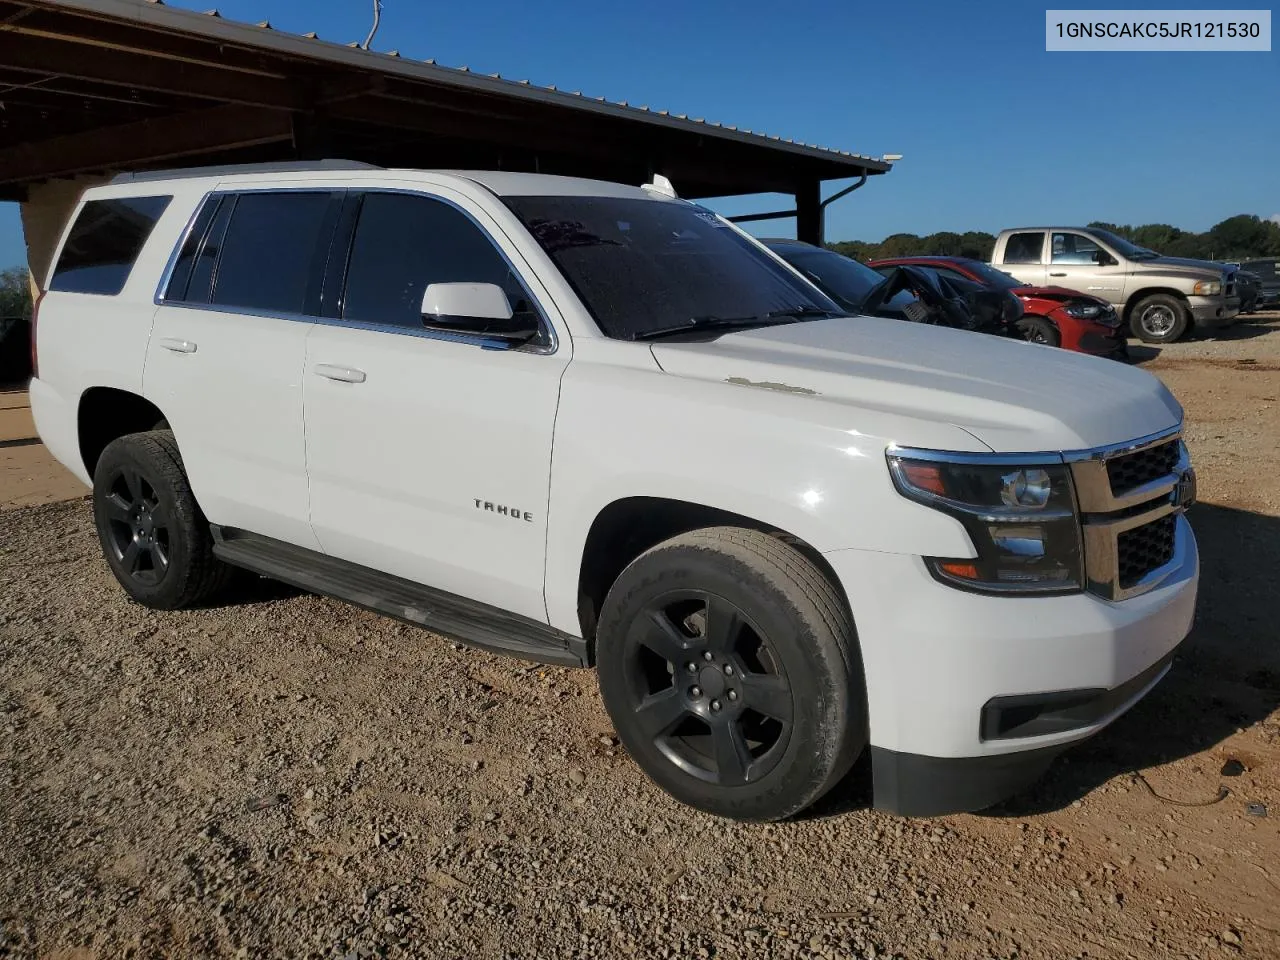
{"points": [[1082, 309], [1207, 288], [1021, 519]]}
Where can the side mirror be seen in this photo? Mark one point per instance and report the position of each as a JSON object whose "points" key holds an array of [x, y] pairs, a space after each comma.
{"points": [[481, 309], [1103, 259]]}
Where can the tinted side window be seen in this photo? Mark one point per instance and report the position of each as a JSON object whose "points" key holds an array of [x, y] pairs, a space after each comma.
{"points": [[104, 243], [184, 264], [403, 243], [1024, 248], [269, 254]]}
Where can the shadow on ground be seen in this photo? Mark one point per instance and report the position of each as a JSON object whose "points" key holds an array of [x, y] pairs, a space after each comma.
{"points": [[1226, 676]]}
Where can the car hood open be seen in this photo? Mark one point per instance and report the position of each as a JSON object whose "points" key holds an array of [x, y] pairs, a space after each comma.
{"points": [[1011, 395]]}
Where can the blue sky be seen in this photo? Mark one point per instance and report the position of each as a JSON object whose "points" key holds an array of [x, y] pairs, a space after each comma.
{"points": [[995, 131]]}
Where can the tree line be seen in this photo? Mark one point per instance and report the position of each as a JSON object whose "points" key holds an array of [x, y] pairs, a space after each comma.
{"points": [[1243, 237], [15, 293]]}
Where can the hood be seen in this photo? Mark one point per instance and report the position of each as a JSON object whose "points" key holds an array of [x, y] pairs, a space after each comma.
{"points": [[1178, 266], [1054, 293], [1011, 395]]}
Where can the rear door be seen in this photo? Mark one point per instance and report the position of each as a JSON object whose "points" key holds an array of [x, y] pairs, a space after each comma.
{"points": [[429, 453], [227, 347], [1024, 256], [1074, 264]]}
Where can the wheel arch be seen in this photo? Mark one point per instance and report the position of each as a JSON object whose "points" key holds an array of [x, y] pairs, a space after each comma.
{"points": [[1139, 295], [105, 414], [628, 526]]}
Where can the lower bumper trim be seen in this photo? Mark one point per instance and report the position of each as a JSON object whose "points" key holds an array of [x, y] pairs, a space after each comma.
{"points": [[914, 785], [1039, 714]]}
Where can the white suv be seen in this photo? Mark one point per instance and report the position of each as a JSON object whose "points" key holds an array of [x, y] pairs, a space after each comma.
{"points": [[594, 424]]}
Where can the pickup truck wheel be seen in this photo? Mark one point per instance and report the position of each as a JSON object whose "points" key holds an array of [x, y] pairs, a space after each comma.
{"points": [[1036, 329], [154, 535], [729, 667], [1159, 318]]}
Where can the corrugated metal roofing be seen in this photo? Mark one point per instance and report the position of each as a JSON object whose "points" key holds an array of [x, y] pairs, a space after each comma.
{"points": [[211, 23]]}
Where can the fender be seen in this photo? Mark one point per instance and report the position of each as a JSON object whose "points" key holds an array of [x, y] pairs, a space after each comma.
{"points": [[631, 431]]}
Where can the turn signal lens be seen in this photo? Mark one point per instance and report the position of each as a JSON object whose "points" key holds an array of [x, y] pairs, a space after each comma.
{"points": [[965, 571], [924, 476]]}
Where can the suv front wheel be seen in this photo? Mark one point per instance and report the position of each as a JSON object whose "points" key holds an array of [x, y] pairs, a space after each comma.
{"points": [[728, 664], [154, 535]]}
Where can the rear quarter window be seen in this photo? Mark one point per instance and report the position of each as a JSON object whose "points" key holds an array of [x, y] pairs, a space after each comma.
{"points": [[1024, 247], [104, 243]]}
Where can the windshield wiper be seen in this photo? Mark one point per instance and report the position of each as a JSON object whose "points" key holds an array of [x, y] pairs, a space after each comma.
{"points": [[805, 313], [772, 318]]}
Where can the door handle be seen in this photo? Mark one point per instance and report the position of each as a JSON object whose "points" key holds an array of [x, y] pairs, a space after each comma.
{"points": [[177, 346], [332, 371], [1057, 274]]}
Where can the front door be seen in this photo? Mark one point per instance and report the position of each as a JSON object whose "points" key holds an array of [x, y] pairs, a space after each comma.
{"points": [[430, 454], [1078, 262]]}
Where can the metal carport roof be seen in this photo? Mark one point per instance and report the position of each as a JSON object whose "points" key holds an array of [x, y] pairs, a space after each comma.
{"points": [[94, 86]]}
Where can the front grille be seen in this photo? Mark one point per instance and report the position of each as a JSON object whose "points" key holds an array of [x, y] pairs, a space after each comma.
{"points": [[1134, 469], [1145, 548]]}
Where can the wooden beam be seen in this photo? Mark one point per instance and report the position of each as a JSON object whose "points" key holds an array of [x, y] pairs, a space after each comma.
{"points": [[144, 142], [58, 58]]}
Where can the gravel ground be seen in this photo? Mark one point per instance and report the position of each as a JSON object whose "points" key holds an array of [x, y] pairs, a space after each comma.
{"points": [[290, 776]]}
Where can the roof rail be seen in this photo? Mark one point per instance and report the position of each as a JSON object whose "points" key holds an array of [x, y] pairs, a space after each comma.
{"points": [[232, 169]]}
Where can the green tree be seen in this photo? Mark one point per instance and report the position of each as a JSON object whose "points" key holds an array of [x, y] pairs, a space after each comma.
{"points": [[1156, 236], [1239, 237], [15, 292]]}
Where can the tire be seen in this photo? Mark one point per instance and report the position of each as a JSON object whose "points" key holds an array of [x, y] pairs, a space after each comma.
{"points": [[773, 712], [1159, 318], [154, 535], [1035, 329]]}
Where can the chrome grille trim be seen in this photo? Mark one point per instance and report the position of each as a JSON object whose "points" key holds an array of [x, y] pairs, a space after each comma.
{"points": [[1099, 508], [1093, 485]]}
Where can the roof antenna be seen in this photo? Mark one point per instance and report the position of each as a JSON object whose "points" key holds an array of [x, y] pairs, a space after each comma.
{"points": [[377, 17]]}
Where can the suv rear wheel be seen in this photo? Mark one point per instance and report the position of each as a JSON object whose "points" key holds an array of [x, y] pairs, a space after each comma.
{"points": [[728, 664], [154, 535], [1159, 318]]}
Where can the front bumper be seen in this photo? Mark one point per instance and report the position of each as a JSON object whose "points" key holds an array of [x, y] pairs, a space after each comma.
{"points": [[1099, 341], [1214, 312], [934, 657]]}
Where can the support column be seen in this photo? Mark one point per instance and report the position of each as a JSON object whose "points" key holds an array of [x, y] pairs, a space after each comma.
{"points": [[44, 216], [809, 213]]}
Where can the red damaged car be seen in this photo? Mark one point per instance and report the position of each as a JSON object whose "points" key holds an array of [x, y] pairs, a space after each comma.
{"points": [[1054, 316]]}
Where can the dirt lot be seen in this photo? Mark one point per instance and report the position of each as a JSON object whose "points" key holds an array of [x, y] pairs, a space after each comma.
{"points": [[289, 776]]}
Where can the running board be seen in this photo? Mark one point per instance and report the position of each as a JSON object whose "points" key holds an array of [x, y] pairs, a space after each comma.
{"points": [[458, 618]]}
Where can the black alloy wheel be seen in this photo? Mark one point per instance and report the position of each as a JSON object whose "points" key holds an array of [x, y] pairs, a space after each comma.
{"points": [[706, 688], [154, 535], [1036, 329], [728, 664], [137, 525]]}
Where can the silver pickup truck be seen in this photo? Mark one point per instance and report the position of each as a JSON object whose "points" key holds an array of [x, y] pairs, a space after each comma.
{"points": [[1162, 298]]}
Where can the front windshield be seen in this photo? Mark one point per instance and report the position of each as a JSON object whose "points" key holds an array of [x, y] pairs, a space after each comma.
{"points": [[1130, 251], [845, 280], [991, 276], [646, 266]]}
